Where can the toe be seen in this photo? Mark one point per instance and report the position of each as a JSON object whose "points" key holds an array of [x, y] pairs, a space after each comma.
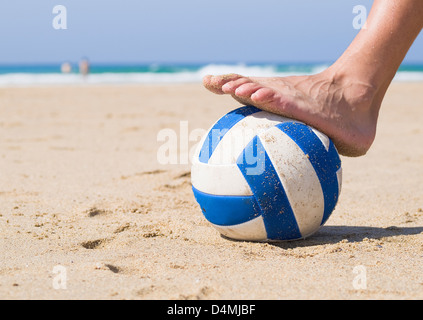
{"points": [[210, 83], [207, 80], [247, 89], [231, 86], [263, 95], [215, 83]]}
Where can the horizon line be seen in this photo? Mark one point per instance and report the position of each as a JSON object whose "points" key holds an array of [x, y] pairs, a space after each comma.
{"points": [[180, 63]]}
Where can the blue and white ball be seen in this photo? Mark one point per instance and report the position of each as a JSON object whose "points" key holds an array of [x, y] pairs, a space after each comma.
{"points": [[258, 176]]}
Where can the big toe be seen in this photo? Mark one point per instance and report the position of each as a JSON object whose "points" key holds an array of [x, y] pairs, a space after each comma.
{"points": [[215, 83]]}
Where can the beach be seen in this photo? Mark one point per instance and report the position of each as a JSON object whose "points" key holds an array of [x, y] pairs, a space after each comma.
{"points": [[91, 208]]}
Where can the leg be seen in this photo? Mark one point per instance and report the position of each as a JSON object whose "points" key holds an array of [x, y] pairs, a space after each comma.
{"points": [[344, 100]]}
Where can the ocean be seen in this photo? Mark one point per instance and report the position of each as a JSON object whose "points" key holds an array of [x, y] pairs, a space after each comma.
{"points": [[42, 75]]}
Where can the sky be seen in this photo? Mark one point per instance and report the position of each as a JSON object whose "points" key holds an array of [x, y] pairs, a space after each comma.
{"points": [[183, 31]]}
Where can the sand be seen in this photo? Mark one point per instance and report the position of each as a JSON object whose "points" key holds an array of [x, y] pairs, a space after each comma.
{"points": [[87, 211]]}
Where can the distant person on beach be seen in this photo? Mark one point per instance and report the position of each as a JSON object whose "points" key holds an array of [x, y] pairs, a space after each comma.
{"points": [[66, 67], [344, 100], [84, 67]]}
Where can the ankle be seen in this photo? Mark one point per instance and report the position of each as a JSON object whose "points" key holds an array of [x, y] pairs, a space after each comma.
{"points": [[359, 91]]}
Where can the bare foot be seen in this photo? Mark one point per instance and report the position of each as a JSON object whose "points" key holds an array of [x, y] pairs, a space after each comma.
{"points": [[340, 107]]}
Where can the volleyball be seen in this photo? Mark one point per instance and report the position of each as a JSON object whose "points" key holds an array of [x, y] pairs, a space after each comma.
{"points": [[258, 176]]}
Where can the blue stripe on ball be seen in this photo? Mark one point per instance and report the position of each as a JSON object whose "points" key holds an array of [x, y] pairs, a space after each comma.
{"points": [[268, 190], [219, 130], [227, 210], [325, 163]]}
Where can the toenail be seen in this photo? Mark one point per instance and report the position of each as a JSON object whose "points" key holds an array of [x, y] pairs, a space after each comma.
{"points": [[227, 86]]}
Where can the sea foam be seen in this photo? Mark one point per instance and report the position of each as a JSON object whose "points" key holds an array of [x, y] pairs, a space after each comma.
{"points": [[155, 75]]}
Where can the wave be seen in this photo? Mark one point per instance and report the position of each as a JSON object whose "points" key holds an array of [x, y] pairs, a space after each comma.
{"points": [[169, 75]]}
